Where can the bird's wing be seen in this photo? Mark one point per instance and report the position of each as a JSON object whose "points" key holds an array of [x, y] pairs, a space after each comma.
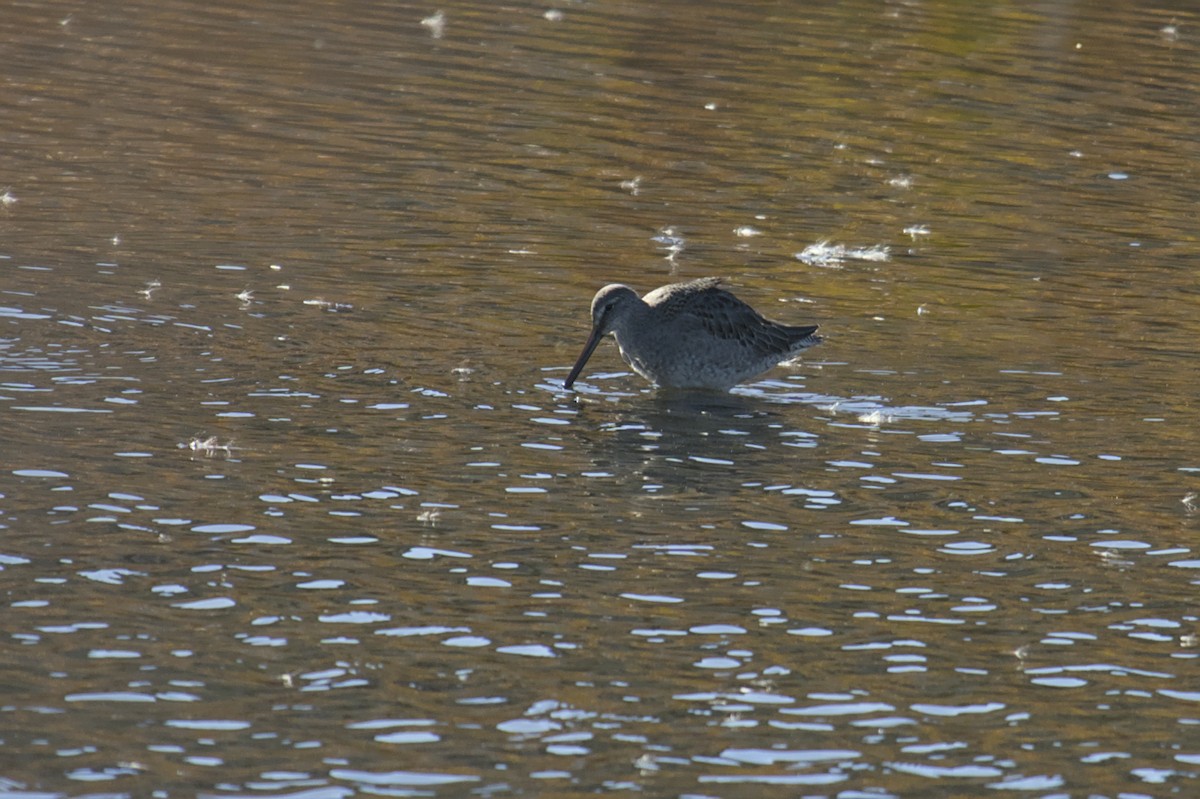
{"points": [[723, 315]]}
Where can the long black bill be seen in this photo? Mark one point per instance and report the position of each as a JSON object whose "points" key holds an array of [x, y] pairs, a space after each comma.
{"points": [[588, 348]]}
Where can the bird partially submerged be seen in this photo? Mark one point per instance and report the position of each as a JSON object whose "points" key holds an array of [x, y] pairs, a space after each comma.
{"points": [[691, 335]]}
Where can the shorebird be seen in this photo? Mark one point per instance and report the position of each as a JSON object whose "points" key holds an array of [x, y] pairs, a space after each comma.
{"points": [[691, 335]]}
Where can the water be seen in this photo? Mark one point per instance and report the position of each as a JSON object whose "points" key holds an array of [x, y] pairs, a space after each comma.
{"points": [[293, 503]]}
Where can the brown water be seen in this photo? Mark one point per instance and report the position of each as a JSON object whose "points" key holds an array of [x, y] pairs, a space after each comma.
{"points": [[293, 503]]}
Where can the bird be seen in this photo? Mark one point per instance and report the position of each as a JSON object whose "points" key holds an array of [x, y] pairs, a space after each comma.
{"points": [[692, 335]]}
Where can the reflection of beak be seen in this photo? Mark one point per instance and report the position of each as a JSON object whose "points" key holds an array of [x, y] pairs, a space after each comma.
{"points": [[588, 348]]}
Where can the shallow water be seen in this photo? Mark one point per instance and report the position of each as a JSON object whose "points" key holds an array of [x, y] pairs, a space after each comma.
{"points": [[294, 504]]}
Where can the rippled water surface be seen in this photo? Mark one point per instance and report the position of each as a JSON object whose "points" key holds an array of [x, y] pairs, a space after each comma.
{"points": [[294, 504]]}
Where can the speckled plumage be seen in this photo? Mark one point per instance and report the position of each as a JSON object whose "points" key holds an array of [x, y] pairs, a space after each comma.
{"points": [[691, 335]]}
